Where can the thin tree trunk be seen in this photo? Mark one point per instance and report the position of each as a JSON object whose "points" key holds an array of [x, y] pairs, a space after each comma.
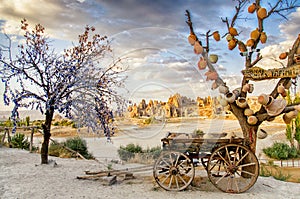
{"points": [[46, 129]]}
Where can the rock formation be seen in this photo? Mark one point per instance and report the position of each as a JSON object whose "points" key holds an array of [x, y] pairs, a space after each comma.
{"points": [[176, 106]]}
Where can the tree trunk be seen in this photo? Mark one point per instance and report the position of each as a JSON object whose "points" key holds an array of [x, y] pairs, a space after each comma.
{"points": [[249, 131], [46, 130], [250, 136]]}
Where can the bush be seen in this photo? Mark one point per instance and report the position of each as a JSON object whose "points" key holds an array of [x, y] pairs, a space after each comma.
{"points": [[281, 151], [128, 152], [19, 141], [79, 145], [131, 150], [57, 150], [76, 144]]}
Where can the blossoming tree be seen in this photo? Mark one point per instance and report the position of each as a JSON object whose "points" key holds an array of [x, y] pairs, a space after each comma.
{"points": [[76, 83]]}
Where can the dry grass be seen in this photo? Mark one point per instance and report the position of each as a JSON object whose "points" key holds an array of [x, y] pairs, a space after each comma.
{"points": [[288, 174]]}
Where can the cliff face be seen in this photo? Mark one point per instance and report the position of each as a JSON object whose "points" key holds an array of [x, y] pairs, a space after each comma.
{"points": [[176, 106]]}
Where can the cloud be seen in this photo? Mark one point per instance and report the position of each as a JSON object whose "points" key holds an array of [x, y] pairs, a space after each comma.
{"points": [[291, 28], [152, 35]]}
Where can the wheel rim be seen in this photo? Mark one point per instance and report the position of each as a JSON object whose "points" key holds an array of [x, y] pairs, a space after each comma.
{"points": [[173, 171], [233, 168]]}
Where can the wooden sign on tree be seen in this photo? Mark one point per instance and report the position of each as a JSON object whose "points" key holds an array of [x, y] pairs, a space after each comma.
{"points": [[257, 73]]}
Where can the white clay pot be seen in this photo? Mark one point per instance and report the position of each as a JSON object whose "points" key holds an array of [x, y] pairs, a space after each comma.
{"points": [[223, 102], [241, 102], [261, 134], [237, 91], [248, 112], [275, 107], [252, 120], [198, 49], [230, 97], [223, 89]]}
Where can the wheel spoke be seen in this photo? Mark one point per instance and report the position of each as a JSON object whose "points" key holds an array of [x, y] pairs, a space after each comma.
{"points": [[162, 167], [165, 179], [236, 152], [223, 176], [249, 173], [176, 162], [225, 161], [170, 183], [167, 163], [176, 180], [227, 154], [236, 184], [180, 177], [242, 157], [248, 164]]}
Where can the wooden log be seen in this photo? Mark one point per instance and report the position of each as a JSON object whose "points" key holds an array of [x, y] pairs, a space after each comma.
{"points": [[121, 171], [105, 180]]}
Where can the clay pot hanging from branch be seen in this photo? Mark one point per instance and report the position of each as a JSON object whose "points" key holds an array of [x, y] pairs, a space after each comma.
{"points": [[242, 102], [202, 64], [230, 97], [192, 39], [275, 107], [281, 90], [223, 89], [288, 117], [262, 13], [252, 120], [252, 8], [216, 35], [248, 112], [211, 75], [213, 58], [198, 49]]}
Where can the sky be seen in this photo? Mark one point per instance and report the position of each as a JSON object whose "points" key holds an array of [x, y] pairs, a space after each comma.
{"points": [[152, 36]]}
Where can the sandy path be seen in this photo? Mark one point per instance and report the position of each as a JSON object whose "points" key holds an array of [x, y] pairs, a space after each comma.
{"points": [[22, 176]]}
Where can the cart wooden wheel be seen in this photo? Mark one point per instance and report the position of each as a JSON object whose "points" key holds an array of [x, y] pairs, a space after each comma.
{"points": [[173, 171], [233, 168]]}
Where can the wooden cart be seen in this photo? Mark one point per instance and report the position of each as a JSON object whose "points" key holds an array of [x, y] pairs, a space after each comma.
{"points": [[230, 166]]}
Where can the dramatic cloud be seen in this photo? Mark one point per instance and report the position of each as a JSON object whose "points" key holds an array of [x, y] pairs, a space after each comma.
{"points": [[152, 36]]}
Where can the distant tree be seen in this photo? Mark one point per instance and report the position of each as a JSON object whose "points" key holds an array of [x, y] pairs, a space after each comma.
{"points": [[236, 99], [70, 83]]}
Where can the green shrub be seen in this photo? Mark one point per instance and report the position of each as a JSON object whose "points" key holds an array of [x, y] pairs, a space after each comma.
{"points": [[57, 150], [131, 150], [79, 145], [19, 141], [281, 151], [76, 144], [128, 152]]}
